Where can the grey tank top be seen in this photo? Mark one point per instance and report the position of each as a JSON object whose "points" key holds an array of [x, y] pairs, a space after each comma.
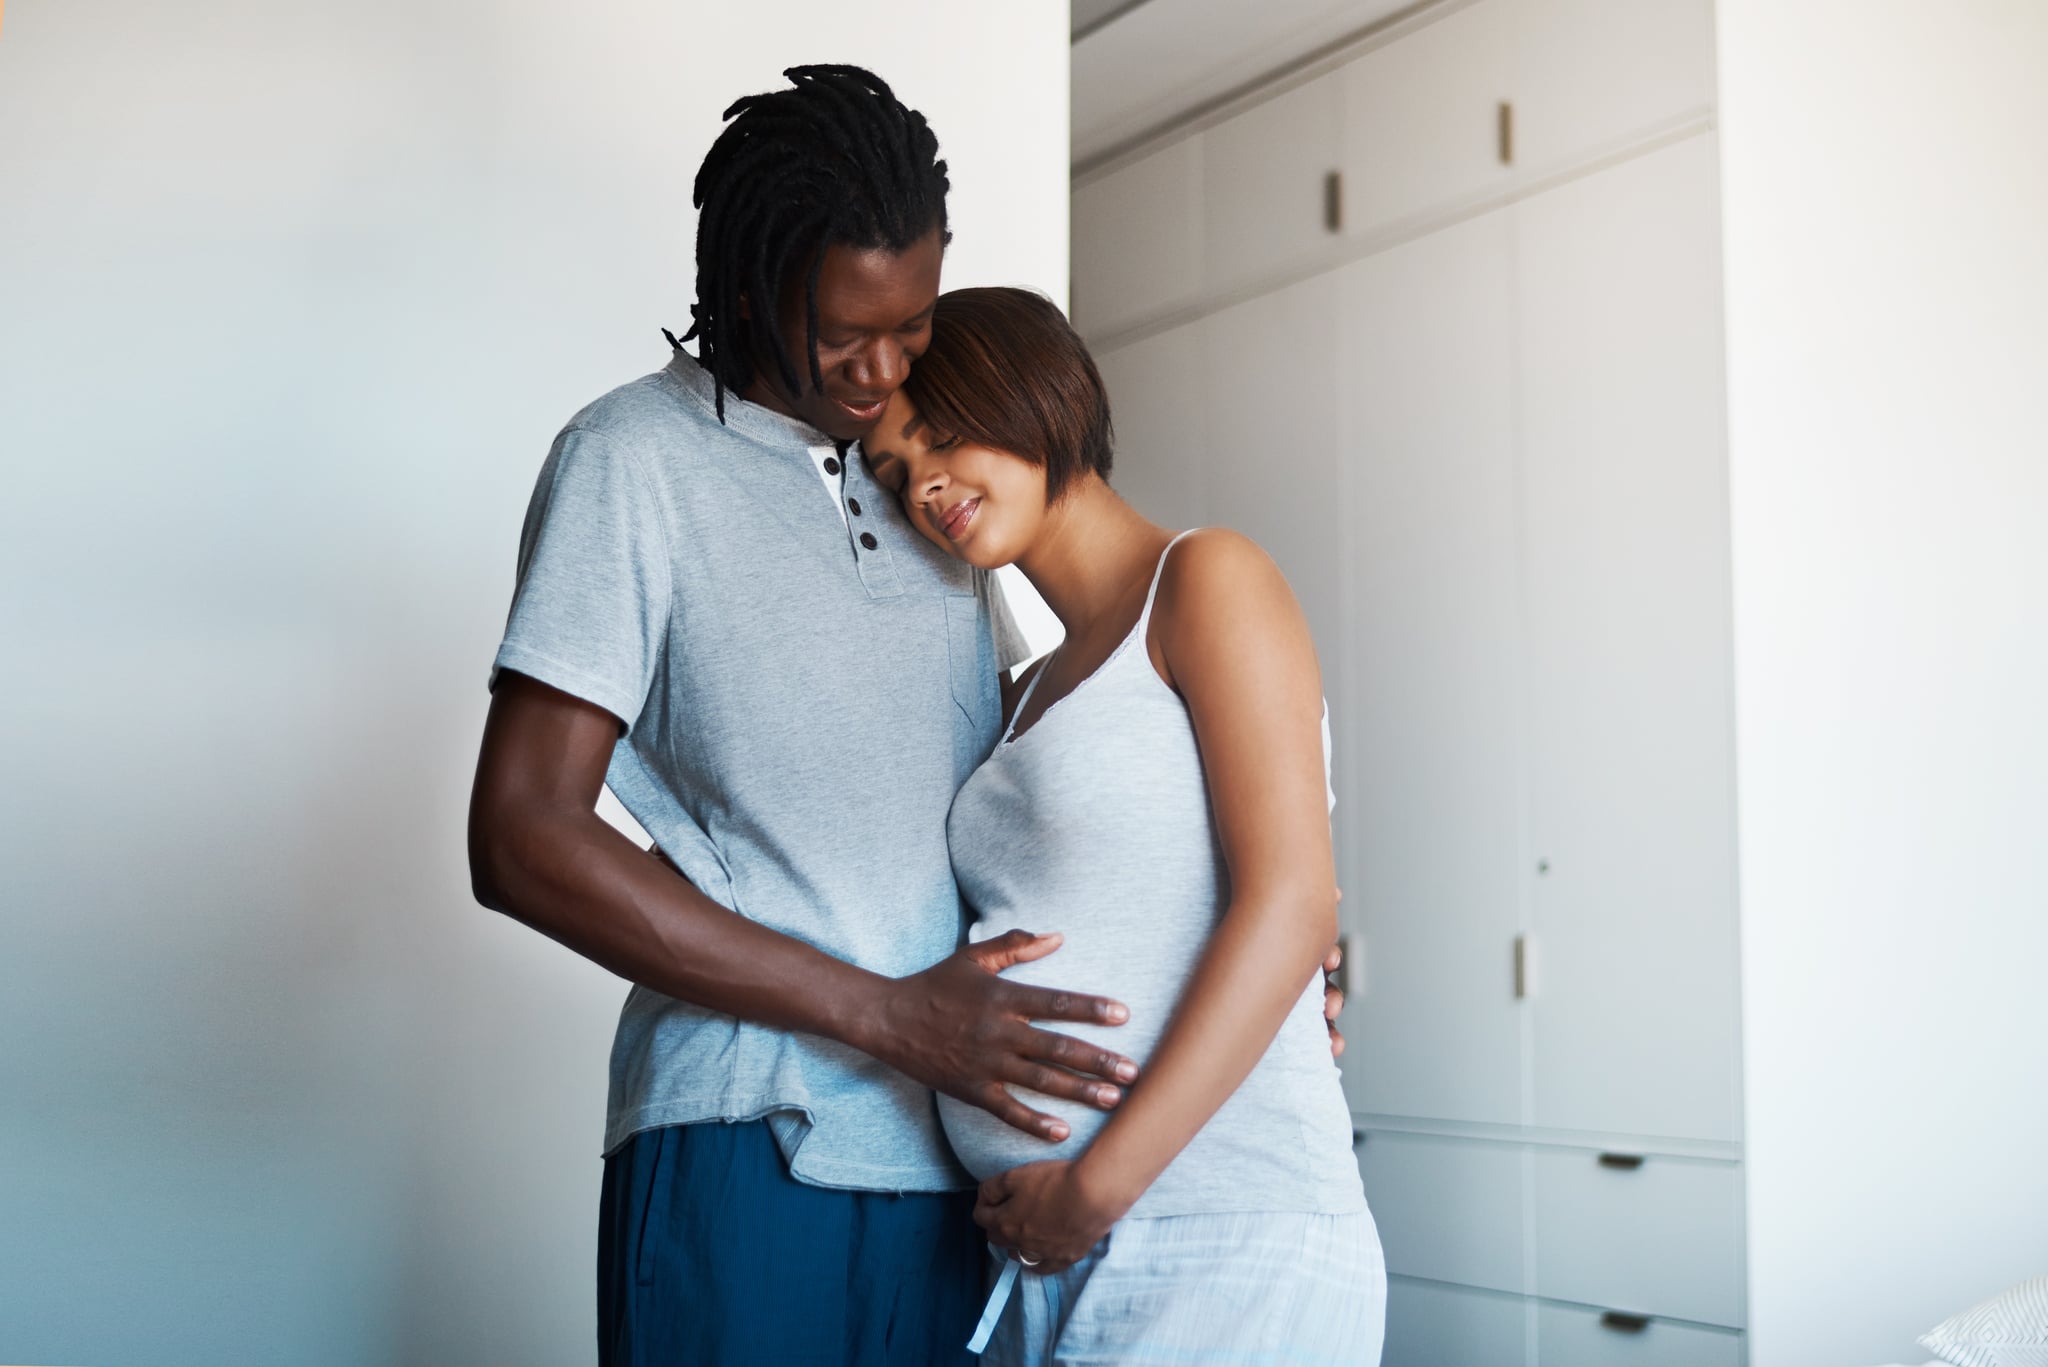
{"points": [[1096, 823]]}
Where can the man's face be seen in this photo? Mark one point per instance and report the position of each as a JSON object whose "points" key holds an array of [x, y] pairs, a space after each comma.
{"points": [[874, 319]]}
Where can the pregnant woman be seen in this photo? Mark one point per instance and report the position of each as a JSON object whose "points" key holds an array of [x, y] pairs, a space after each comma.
{"points": [[1160, 799]]}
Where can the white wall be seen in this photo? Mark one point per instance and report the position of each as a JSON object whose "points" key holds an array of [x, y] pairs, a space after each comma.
{"points": [[1886, 214], [295, 295]]}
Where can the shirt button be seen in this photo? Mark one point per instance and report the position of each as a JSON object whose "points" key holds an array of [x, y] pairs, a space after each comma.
{"points": [[853, 506], [868, 539], [831, 465]]}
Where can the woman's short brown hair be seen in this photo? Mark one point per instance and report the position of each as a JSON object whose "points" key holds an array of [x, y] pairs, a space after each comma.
{"points": [[1007, 371]]}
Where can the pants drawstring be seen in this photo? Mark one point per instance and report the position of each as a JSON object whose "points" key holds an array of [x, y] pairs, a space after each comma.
{"points": [[997, 1299]]}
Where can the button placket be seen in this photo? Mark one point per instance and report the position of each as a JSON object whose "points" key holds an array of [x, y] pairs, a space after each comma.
{"points": [[877, 566]]}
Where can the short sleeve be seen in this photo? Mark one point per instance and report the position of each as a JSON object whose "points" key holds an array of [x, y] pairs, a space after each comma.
{"points": [[590, 613], [1011, 647]]}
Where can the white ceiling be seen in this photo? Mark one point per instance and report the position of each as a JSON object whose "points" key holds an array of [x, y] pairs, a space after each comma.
{"points": [[1142, 63]]}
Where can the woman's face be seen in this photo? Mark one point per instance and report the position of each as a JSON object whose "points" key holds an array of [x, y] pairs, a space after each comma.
{"points": [[980, 505]]}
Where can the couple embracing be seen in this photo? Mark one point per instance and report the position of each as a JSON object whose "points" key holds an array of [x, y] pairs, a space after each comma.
{"points": [[756, 598]]}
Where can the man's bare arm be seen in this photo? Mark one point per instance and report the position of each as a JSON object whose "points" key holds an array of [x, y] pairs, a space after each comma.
{"points": [[539, 852]]}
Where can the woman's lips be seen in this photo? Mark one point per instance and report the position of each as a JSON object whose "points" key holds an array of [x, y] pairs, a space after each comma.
{"points": [[955, 519]]}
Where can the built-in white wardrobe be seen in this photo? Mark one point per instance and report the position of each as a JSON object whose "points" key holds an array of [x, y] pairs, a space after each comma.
{"points": [[1437, 319]]}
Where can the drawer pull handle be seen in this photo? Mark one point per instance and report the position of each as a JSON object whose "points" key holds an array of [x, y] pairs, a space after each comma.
{"points": [[1626, 1162], [1624, 1324]]}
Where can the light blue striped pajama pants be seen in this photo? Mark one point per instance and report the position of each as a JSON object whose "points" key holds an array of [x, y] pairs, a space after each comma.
{"points": [[1256, 1289]]}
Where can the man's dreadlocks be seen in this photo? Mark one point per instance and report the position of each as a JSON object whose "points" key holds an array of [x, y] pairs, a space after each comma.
{"points": [[837, 160]]}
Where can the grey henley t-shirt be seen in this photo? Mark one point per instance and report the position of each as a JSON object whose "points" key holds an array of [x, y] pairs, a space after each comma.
{"points": [[803, 693]]}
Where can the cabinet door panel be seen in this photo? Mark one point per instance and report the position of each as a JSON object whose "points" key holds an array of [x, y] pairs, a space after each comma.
{"points": [[1161, 463], [1431, 840], [1432, 1325], [1137, 239], [1420, 116], [1275, 459], [1263, 186], [1592, 75], [1625, 533]]}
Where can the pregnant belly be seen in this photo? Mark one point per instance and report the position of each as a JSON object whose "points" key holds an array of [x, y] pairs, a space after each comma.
{"points": [[1099, 964]]}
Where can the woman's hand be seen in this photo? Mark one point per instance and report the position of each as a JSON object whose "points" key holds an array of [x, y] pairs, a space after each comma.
{"points": [[1047, 1213]]}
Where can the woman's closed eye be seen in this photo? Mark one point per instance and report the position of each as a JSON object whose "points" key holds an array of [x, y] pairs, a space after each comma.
{"points": [[886, 471]]}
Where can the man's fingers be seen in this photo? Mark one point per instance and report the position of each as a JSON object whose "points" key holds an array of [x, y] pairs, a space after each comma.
{"points": [[1047, 1080], [1334, 960], [1333, 1003], [1336, 1042], [1078, 1056], [998, 1102], [1049, 1004], [1011, 948]]}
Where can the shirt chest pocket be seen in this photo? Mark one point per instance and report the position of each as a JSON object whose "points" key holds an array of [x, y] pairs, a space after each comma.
{"points": [[971, 658]]}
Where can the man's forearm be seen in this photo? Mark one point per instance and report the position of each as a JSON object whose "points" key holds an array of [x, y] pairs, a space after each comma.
{"points": [[573, 877]]}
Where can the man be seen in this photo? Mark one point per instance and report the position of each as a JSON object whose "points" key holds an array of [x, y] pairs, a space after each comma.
{"points": [[719, 615]]}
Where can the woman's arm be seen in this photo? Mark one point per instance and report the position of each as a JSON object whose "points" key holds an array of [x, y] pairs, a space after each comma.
{"points": [[1228, 634]]}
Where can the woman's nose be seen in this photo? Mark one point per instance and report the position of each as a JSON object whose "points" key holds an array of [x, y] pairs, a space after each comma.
{"points": [[928, 484]]}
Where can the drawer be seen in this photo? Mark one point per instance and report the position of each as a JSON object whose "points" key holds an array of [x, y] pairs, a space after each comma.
{"points": [[1137, 239], [1661, 1238], [1432, 1325], [1567, 1336], [1447, 1209]]}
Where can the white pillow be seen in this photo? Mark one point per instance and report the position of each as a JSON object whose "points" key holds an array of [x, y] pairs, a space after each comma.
{"points": [[2009, 1330]]}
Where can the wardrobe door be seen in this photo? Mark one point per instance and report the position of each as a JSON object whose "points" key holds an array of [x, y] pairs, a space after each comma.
{"points": [[1432, 839], [1268, 386], [1420, 117], [1263, 209], [1590, 76], [1625, 532], [1161, 463], [1137, 240]]}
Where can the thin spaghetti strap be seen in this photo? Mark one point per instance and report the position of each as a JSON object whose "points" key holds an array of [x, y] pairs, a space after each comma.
{"points": [[1011, 730], [1145, 617]]}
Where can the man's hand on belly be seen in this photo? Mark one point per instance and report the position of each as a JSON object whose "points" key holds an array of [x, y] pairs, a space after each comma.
{"points": [[959, 1029]]}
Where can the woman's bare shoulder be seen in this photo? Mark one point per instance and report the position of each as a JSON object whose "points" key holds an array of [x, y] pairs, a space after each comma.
{"points": [[1218, 570], [1220, 590]]}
